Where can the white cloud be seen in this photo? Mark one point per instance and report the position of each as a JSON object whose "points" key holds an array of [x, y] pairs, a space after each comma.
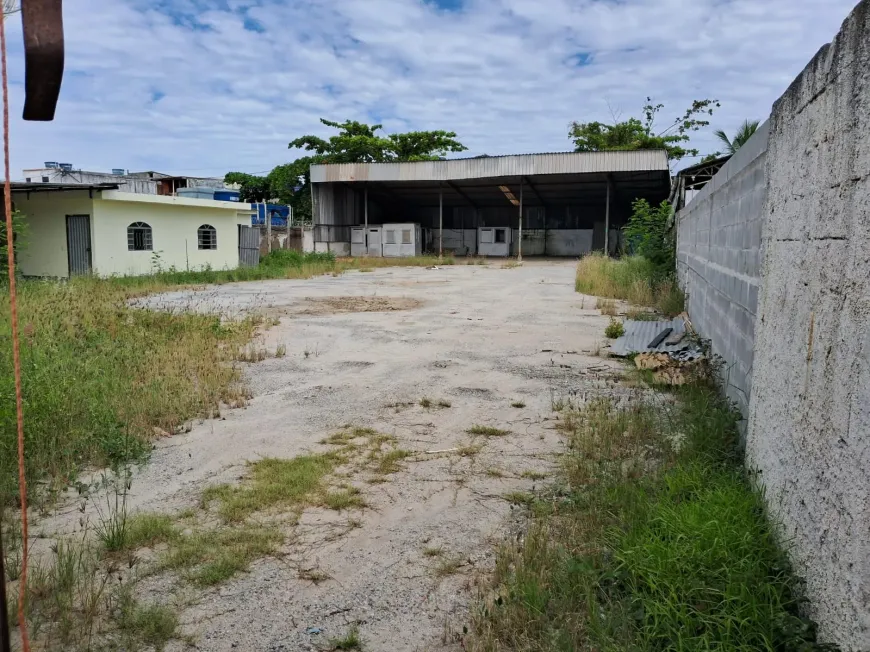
{"points": [[504, 74]]}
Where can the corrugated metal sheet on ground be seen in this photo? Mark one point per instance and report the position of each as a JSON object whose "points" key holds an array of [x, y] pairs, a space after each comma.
{"points": [[638, 335]]}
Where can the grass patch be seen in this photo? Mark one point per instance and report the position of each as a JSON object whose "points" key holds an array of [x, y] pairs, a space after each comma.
{"points": [[427, 403], [606, 306], [148, 530], [533, 475], [448, 566], [487, 431], [389, 462], [520, 498], [273, 482], [656, 542], [151, 625], [347, 498], [210, 557], [350, 641], [614, 329], [493, 472], [632, 278], [433, 552], [100, 378], [518, 404], [639, 314]]}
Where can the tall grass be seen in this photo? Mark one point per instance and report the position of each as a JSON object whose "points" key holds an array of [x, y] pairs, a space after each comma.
{"points": [[99, 377], [632, 278], [656, 542]]}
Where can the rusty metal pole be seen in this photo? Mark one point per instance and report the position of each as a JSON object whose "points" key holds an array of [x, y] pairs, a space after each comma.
{"points": [[607, 221], [5, 645]]}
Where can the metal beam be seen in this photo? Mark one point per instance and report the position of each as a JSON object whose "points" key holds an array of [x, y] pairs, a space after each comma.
{"points": [[534, 190], [462, 194]]}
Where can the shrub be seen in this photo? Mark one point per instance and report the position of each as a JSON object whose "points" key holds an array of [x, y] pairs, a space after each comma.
{"points": [[614, 329]]}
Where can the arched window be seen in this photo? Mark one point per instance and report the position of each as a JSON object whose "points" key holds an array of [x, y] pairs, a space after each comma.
{"points": [[139, 237], [207, 237]]}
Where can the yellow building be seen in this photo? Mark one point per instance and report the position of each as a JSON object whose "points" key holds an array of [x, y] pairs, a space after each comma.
{"points": [[96, 229]]}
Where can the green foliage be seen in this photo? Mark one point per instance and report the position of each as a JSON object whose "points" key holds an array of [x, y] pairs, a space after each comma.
{"points": [[743, 134], [654, 541], [632, 278], [634, 133], [647, 234], [19, 234], [614, 329], [355, 142]]}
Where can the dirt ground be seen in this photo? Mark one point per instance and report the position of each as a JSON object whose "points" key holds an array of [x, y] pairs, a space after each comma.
{"points": [[363, 349]]}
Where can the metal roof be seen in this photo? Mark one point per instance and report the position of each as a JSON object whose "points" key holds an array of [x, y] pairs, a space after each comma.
{"points": [[495, 166]]}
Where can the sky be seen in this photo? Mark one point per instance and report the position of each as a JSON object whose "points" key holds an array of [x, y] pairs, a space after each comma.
{"points": [[202, 87]]}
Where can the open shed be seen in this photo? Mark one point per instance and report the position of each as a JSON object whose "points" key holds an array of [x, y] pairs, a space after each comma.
{"points": [[570, 203]]}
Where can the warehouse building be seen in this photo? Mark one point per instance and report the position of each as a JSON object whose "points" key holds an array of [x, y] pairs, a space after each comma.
{"points": [[560, 204]]}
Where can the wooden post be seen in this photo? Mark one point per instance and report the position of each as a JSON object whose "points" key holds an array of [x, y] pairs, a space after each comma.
{"points": [[440, 223], [520, 242]]}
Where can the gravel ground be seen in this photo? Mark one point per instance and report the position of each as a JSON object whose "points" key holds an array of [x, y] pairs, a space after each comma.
{"points": [[480, 337]]}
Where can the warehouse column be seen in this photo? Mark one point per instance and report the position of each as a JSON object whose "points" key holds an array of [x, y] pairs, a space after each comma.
{"points": [[520, 242], [366, 212], [440, 223]]}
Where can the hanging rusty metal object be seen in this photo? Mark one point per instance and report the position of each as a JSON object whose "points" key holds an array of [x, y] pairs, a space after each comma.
{"points": [[43, 57]]}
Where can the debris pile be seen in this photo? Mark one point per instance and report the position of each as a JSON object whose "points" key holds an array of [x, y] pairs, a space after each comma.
{"points": [[667, 348]]}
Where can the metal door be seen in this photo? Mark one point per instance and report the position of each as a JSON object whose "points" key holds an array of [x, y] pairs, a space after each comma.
{"points": [[78, 244], [249, 246], [374, 243]]}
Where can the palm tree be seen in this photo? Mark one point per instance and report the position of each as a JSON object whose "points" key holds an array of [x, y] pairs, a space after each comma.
{"points": [[744, 133]]}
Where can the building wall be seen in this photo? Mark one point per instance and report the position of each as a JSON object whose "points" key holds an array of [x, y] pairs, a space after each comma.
{"points": [[802, 209], [718, 249], [44, 252], [174, 232], [809, 420]]}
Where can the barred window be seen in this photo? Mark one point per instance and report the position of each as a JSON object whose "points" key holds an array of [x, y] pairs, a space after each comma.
{"points": [[207, 237], [139, 237]]}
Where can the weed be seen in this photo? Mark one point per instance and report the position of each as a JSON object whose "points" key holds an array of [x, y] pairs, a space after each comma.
{"points": [[518, 404], [607, 307], [251, 353], [444, 404], [519, 498], [148, 530], [647, 517], [347, 498], [350, 641], [493, 472], [152, 625], [281, 351], [449, 565], [365, 269], [487, 431], [639, 314], [425, 402], [433, 551], [511, 264], [614, 329], [468, 451], [273, 482], [209, 557], [632, 278], [389, 462], [533, 475], [314, 575]]}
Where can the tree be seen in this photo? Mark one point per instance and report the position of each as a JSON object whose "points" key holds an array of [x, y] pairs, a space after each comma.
{"points": [[744, 133], [424, 145], [355, 142], [634, 133], [646, 234]]}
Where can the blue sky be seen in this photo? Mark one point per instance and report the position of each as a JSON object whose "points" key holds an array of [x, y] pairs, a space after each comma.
{"points": [[206, 86]]}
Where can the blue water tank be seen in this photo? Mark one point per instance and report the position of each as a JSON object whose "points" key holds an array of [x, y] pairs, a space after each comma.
{"points": [[278, 212], [226, 195]]}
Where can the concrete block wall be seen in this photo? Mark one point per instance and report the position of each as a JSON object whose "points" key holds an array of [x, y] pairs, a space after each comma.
{"points": [[774, 254], [809, 422], [718, 254]]}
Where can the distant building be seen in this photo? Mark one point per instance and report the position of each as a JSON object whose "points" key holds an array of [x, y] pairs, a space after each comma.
{"points": [[147, 183], [104, 229]]}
